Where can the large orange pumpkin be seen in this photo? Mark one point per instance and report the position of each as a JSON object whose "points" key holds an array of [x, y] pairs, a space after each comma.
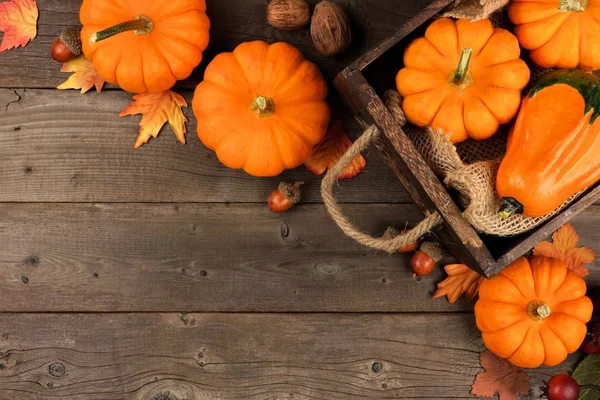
{"points": [[463, 77], [534, 312], [554, 148], [262, 108], [559, 33], [144, 45]]}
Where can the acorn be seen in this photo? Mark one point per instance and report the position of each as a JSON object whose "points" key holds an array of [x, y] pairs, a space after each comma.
{"points": [[67, 46], [286, 196], [424, 260]]}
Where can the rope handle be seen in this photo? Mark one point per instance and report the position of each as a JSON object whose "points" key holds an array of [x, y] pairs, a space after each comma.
{"points": [[389, 245]]}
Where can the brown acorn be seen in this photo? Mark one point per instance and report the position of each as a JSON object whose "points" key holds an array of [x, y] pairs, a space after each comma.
{"points": [[286, 196], [67, 46], [289, 15], [330, 29]]}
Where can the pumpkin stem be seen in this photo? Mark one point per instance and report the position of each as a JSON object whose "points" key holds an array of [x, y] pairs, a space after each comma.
{"points": [[538, 310], [572, 5], [263, 107], [140, 25], [463, 66], [509, 206]]}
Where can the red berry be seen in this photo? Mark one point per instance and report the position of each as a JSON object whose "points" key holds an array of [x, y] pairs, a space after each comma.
{"points": [[422, 264], [562, 387], [591, 344]]}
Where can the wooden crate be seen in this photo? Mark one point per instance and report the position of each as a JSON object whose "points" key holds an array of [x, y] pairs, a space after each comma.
{"points": [[361, 86]]}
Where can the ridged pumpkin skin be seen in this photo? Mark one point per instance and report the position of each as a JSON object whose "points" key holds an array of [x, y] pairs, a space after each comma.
{"points": [[554, 148], [150, 62], [490, 92], [279, 133], [534, 312], [559, 33]]}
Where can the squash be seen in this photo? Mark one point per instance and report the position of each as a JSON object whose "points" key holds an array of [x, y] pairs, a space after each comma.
{"points": [[144, 46], [262, 108], [464, 78], [534, 312], [553, 150], [559, 33]]}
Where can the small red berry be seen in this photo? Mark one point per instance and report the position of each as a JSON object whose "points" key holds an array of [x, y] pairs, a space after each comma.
{"points": [[562, 387], [591, 344], [422, 264], [286, 196]]}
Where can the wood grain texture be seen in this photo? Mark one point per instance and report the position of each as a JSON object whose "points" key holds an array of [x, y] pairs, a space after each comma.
{"points": [[233, 22], [234, 356], [60, 146], [194, 257]]}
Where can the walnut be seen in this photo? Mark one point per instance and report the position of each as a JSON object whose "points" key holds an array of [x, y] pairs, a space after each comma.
{"points": [[289, 15], [330, 29]]}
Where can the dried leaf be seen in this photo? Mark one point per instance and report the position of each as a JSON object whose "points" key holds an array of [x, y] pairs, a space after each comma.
{"points": [[329, 151], [500, 377], [18, 21], [461, 280], [158, 109], [85, 76], [564, 247]]}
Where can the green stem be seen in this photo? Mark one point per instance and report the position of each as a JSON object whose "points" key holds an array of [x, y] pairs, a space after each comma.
{"points": [[589, 387], [509, 206], [263, 106], [140, 25], [572, 5], [463, 66]]}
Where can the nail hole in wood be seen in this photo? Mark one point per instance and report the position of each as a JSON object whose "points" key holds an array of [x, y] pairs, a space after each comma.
{"points": [[24, 279], [285, 231], [28, 170], [377, 367], [383, 280], [203, 273], [17, 128], [57, 369], [384, 385], [96, 275], [1, 366]]}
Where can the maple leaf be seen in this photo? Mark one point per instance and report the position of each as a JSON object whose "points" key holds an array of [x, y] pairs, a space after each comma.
{"points": [[85, 76], [18, 20], [158, 109], [329, 151], [461, 280], [564, 247], [499, 376]]}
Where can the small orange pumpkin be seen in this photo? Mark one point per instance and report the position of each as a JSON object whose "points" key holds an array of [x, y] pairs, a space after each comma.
{"points": [[559, 33], [464, 78], [534, 312], [262, 108], [144, 45]]}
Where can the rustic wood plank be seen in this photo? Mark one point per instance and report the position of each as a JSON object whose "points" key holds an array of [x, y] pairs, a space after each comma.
{"points": [[61, 146], [212, 257], [233, 22], [233, 356]]}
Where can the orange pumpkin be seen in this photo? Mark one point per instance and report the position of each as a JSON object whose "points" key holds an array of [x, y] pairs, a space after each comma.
{"points": [[559, 33], [464, 78], [534, 312], [262, 108], [144, 45], [554, 148]]}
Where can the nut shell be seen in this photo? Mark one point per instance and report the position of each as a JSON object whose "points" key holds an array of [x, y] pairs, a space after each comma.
{"points": [[71, 38], [330, 29], [289, 15]]}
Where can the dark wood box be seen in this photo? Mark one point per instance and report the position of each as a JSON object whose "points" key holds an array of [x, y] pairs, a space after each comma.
{"points": [[361, 86]]}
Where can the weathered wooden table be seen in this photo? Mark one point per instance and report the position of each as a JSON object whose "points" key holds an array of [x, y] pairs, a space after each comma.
{"points": [[160, 274]]}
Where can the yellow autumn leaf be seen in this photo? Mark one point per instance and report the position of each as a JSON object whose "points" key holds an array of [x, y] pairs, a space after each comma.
{"points": [[158, 109], [85, 76]]}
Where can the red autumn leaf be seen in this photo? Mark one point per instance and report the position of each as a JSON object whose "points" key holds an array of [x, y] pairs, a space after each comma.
{"points": [[18, 21], [328, 152], [158, 109], [499, 376], [85, 76], [461, 280], [564, 247]]}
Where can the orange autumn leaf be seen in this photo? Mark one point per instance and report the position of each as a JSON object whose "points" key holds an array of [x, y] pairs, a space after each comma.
{"points": [[461, 280], [499, 376], [158, 109], [564, 247], [85, 76], [328, 152], [18, 21]]}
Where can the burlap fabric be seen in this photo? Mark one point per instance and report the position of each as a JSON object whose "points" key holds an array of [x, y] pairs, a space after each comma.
{"points": [[469, 167]]}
